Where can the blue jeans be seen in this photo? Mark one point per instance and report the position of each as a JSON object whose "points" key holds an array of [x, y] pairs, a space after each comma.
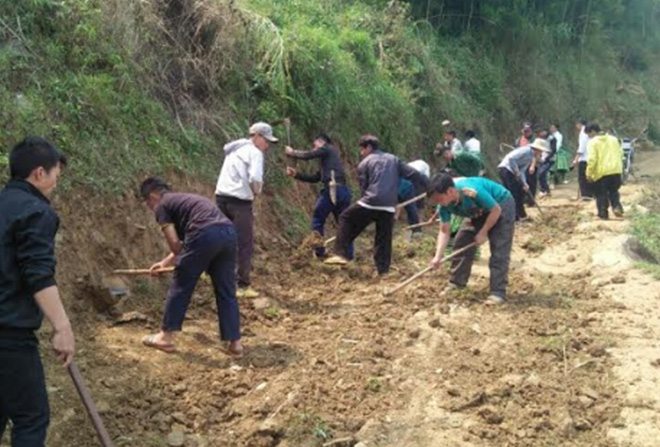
{"points": [[323, 209], [23, 398], [212, 250]]}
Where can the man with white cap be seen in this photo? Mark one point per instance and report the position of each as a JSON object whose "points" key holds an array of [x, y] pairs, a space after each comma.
{"points": [[513, 172], [241, 179]]}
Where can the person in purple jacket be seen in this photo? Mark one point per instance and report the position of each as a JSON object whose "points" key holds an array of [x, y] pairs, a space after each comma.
{"points": [[201, 239]]}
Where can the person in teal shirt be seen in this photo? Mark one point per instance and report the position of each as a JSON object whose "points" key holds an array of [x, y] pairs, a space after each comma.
{"points": [[491, 213]]}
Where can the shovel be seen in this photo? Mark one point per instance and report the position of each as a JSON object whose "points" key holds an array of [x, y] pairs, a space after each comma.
{"points": [[536, 203], [118, 287], [87, 401], [427, 269]]}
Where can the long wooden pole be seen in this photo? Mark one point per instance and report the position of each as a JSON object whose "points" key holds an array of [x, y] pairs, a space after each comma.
{"points": [[86, 398], [142, 271], [427, 269]]}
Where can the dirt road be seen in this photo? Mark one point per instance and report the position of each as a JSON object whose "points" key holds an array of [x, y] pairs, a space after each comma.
{"points": [[570, 360]]}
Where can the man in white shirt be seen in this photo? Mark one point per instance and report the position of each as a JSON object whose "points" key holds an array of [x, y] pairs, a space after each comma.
{"points": [[586, 188], [241, 178], [452, 142], [472, 145]]}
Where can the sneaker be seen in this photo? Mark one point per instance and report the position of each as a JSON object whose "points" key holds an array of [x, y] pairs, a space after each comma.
{"points": [[565, 182], [586, 199], [336, 260], [494, 299], [246, 292], [618, 212], [543, 194]]}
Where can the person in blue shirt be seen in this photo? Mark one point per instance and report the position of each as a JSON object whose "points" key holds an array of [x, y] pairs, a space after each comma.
{"points": [[490, 214], [405, 192]]}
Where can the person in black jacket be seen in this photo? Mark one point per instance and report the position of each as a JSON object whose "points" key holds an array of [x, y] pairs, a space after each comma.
{"points": [[329, 164], [28, 289], [378, 175]]}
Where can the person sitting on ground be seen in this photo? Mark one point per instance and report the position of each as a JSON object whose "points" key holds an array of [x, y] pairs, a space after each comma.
{"points": [[378, 175], [201, 239], [513, 170], [604, 169], [28, 225], [491, 214], [329, 164], [241, 179], [462, 164], [472, 144]]}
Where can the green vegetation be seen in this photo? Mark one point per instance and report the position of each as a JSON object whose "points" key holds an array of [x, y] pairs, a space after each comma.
{"points": [[128, 88], [646, 228]]}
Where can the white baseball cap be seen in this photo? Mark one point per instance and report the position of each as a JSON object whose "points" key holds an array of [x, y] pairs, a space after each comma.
{"points": [[264, 130]]}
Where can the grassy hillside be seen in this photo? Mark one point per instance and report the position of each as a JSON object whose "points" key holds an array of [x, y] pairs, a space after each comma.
{"points": [[129, 87]]}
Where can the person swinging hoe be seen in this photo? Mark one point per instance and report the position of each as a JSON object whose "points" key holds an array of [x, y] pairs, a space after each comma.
{"points": [[491, 213]]}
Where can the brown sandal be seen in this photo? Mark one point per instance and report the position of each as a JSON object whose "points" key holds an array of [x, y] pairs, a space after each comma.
{"points": [[150, 341]]}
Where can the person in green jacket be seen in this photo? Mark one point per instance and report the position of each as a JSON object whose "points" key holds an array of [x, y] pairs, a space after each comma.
{"points": [[462, 164]]}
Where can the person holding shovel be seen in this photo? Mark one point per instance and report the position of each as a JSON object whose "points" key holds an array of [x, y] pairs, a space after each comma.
{"points": [[335, 196], [241, 179], [29, 291], [378, 175], [490, 214], [201, 239], [513, 171]]}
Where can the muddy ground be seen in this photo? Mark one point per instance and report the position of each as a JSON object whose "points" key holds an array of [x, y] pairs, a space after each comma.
{"points": [[570, 360]]}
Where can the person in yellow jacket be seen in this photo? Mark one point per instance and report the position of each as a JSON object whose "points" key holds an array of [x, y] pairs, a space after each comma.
{"points": [[604, 168]]}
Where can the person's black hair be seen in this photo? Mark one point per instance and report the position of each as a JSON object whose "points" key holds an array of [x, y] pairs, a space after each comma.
{"points": [[592, 127], [451, 132], [369, 140], [324, 137], [582, 121], [440, 184], [556, 126], [153, 185], [32, 153], [470, 134]]}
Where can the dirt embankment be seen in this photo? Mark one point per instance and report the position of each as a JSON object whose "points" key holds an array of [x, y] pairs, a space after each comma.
{"points": [[568, 361]]}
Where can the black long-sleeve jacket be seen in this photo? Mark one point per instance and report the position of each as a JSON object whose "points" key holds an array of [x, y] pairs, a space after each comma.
{"points": [[28, 226], [379, 174], [329, 160]]}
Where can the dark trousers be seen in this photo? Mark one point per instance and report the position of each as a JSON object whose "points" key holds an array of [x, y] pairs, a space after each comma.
{"points": [[240, 213], [544, 172], [586, 187], [212, 251], [500, 238], [515, 187], [412, 210], [354, 220], [607, 193], [324, 207], [23, 397]]}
